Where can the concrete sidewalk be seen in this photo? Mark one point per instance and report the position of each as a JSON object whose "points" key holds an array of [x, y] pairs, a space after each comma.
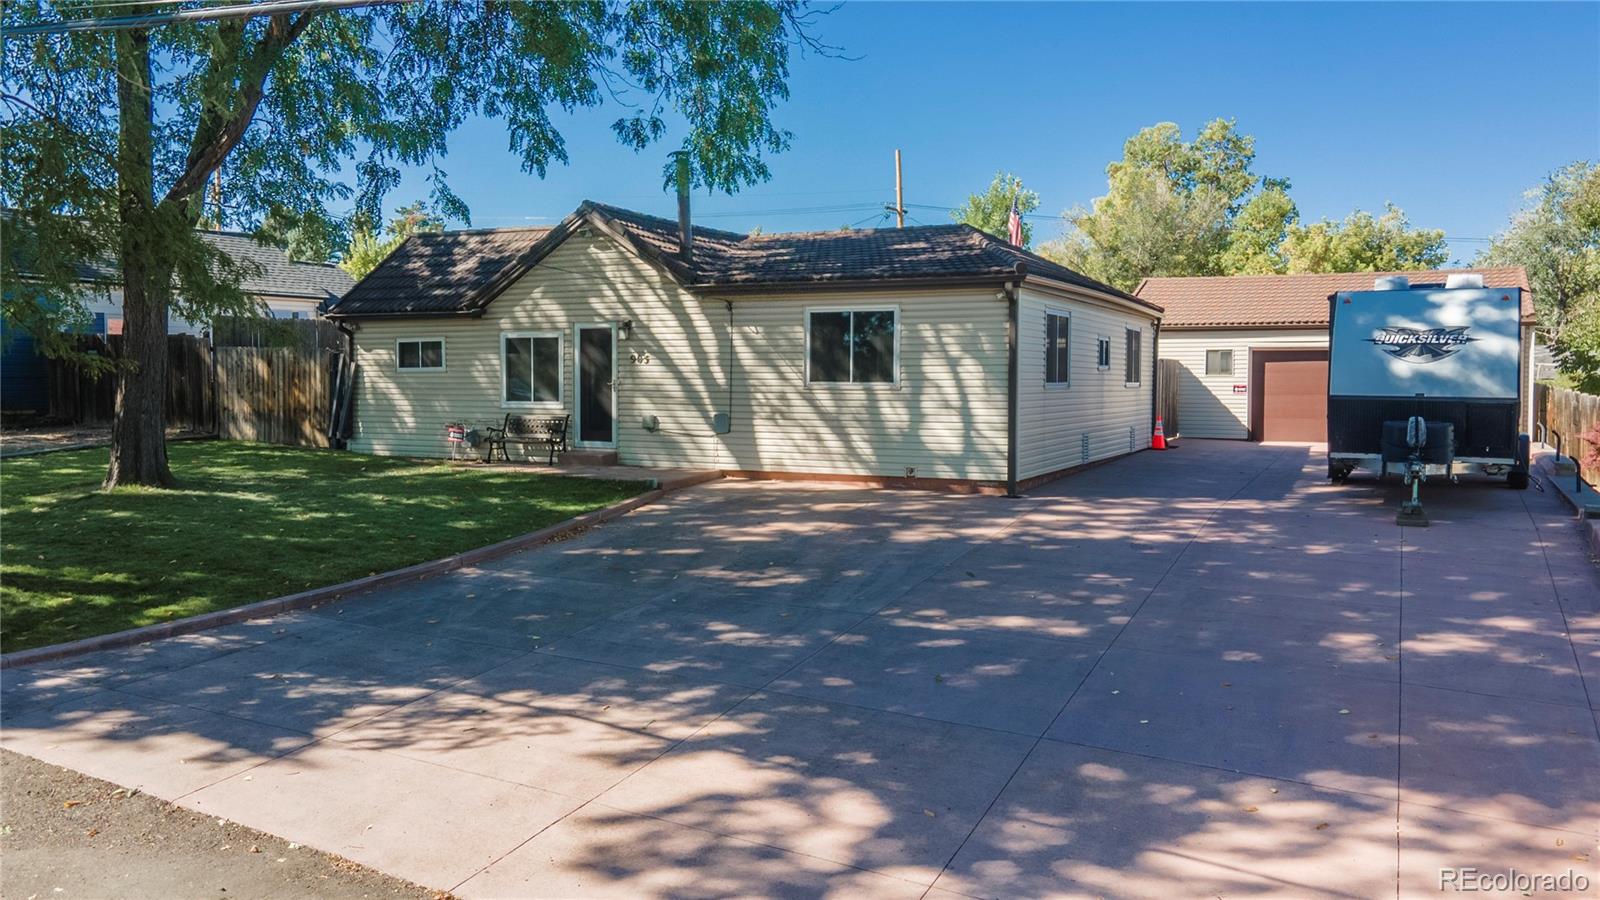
{"points": [[1200, 672]]}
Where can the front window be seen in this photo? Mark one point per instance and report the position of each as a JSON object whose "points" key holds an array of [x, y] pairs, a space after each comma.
{"points": [[1133, 366], [420, 354], [530, 366], [1219, 362], [1057, 342], [851, 346]]}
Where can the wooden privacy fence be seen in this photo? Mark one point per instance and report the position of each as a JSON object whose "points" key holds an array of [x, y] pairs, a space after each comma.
{"points": [[279, 395], [1167, 375], [81, 398], [1574, 419]]}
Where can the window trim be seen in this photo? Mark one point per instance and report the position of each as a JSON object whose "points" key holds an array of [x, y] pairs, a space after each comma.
{"points": [[444, 357], [561, 382], [1139, 370], [852, 384], [1102, 340], [1066, 381], [1232, 367]]}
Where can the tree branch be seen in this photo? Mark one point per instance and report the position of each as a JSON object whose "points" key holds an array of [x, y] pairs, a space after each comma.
{"points": [[216, 136]]}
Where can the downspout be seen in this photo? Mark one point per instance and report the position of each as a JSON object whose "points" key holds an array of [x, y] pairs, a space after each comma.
{"points": [[1012, 292]]}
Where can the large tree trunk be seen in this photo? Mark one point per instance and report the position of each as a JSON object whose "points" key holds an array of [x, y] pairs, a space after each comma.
{"points": [[138, 431]]}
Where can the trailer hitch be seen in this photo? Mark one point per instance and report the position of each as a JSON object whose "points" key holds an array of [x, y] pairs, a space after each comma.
{"points": [[1416, 473]]}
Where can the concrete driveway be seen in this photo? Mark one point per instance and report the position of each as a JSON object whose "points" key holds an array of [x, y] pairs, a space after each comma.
{"points": [[1205, 672]]}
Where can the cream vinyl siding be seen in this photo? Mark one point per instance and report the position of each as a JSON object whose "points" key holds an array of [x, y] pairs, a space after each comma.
{"points": [[1207, 405], [1054, 418], [945, 419]]}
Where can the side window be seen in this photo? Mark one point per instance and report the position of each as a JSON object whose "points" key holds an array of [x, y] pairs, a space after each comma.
{"points": [[1102, 353], [1133, 365], [419, 354], [1057, 348], [1219, 362], [855, 346]]}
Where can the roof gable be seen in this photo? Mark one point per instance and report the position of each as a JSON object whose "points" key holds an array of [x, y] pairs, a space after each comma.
{"points": [[1280, 301]]}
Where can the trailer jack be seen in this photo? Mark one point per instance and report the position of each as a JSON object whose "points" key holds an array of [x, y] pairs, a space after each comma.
{"points": [[1411, 510], [1416, 473]]}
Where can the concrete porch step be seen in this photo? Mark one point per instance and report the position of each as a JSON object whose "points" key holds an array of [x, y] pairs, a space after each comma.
{"points": [[582, 457]]}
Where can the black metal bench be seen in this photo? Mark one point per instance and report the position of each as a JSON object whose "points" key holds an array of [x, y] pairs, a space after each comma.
{"points": [[548, 431]]}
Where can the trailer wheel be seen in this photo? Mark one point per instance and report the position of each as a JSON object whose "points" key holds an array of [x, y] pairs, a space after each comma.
{"points": [[1517, 479]]}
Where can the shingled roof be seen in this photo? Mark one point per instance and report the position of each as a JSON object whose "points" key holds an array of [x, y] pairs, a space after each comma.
{"points": [[1278, 301], [276, 275], [461, 272]]}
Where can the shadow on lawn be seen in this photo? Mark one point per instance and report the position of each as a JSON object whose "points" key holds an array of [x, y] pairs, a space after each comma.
{"points": [[248, 522], [863, 679]]}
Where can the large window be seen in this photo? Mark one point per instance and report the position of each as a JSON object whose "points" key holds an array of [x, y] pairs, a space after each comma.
{"points": [[1133, 364], [1219, 362], [419, 354], [530, 366], [855, 346], [1057, 345]]}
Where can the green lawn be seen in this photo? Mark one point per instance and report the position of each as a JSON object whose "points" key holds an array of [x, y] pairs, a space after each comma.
{"points": [[247, 522]]}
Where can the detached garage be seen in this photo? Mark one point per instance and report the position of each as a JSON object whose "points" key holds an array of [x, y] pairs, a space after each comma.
{"points": [[1252, 350]]}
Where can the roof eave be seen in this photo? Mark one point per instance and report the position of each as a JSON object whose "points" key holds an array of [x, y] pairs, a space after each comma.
{"points": [[1120, 299], [476, 313]]}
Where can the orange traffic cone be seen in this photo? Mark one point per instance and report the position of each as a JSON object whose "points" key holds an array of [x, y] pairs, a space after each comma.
{"points": [[1158, 441]]}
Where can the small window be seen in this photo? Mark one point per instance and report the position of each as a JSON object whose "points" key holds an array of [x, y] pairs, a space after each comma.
{"points": [[1133, 366], [1102, 353], [1057, 344], [420, 354], [530, 368], [851, 346], [1219, 362]]}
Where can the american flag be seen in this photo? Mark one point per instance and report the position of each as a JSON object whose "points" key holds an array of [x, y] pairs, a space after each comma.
{"points": [[1015, 223]]}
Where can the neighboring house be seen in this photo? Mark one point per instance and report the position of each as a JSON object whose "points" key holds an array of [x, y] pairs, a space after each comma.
{"points": [[876, 355], [289, 289], [1253, 349]]}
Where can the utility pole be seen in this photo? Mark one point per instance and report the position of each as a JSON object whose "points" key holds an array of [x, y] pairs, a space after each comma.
{"points": [[216, 195], [899, 193]]}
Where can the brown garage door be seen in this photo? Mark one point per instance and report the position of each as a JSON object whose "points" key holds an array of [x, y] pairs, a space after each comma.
{"points": [[1289, 395]]}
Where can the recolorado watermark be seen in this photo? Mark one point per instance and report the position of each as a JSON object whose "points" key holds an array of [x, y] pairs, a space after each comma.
{"points": [[1474, 880]]}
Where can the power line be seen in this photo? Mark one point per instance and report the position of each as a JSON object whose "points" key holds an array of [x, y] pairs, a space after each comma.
{"points": [[200, 14]]}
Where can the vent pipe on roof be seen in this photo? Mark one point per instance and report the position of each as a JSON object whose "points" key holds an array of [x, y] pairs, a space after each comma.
{"points": [[1463, 280], [685, 228], [1391, 283]]}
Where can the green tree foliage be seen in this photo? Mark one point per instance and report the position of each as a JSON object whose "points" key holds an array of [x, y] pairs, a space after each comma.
{"points": [[305, 236], [367, 247], [1169, 209], [1556, 237], [990, 210], [111, 135], [1363, 243], [1176, 207]]}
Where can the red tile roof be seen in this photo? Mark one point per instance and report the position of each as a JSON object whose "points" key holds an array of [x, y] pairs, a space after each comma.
{"points": [[1276, 301]]}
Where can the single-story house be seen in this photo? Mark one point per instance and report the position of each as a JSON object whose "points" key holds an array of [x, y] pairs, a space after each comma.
{"points": [[933, 355], [1252, 350]]}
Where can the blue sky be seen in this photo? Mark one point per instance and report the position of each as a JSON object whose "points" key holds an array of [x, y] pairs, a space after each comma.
{"points": [[1449, 110]]}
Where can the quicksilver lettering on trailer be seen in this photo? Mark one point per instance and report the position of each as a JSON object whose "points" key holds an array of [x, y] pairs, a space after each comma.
{"points": [[1421, 345]]}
